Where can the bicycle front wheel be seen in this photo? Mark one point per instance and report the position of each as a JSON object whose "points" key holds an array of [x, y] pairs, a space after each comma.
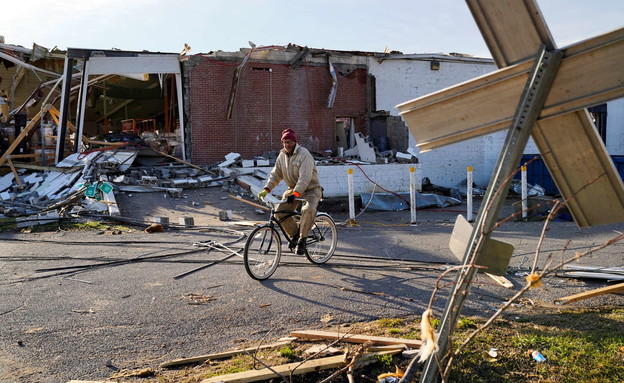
{"points": [[263, 250], [322, 239]]}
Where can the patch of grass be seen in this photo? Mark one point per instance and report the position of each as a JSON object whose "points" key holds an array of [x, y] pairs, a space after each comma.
{"points": [[236, 364], [8, 224], [94, 225], [394, 331], [388, 322], [577, 347], [386, 361], [466, 323], [287, 352]]}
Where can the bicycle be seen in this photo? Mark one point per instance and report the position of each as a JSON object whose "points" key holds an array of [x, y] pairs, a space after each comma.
{"points": [[263, 248]]}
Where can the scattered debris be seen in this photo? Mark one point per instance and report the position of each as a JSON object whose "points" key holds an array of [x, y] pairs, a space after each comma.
{"points": [[154, 228], [198, 299], [596, 272], [538, 357]]}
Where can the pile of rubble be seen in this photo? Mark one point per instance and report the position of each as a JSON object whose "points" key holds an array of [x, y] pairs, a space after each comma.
{"points": [[86, 183]]}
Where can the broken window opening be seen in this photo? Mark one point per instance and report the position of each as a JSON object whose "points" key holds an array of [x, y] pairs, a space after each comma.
{"points": [[345, 133], [599, 116]]}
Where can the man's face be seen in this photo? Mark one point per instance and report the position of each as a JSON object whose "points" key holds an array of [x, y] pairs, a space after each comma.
{"points": [[289, 146]]}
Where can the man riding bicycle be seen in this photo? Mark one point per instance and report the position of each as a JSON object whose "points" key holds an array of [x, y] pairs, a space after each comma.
{"points": [[295, 165]]}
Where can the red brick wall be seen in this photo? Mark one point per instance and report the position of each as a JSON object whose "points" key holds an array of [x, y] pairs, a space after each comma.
{"points": [[299, 101]]}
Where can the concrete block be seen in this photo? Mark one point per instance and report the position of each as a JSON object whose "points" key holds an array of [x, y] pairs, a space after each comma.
{"points": [[161, 220], [149, 180], [232, 156], [249, 163], [225, 215], [263, 163], [187, 221]]}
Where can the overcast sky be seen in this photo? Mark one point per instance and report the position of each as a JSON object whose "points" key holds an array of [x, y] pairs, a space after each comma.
{"points": [[409, 26]]}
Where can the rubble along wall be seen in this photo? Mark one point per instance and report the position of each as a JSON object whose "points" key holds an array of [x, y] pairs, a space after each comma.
{"points": [[334, 179]]}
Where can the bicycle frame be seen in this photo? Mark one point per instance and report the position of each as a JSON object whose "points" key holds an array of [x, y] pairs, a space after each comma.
{"points": [[273, 220]]}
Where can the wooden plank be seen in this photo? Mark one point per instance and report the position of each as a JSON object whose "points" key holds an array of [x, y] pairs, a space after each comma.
{"points": [[220, 355], [591, 72], [354, 338], [578, 161], [591, 293], [261, 207], [15, 175], [301, 368], [25, 132], [506, 283], [265, 373], [513, 29], [488, 103]]}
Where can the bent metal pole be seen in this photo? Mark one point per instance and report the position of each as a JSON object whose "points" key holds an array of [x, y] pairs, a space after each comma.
{"points": [[530, 104]]}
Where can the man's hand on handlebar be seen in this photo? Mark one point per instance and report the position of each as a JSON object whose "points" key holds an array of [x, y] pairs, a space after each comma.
{"points": [[262, 194], [290, 199]]}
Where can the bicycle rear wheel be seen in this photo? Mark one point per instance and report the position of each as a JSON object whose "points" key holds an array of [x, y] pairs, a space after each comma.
{"points": [[322, 239], [263, 250]]}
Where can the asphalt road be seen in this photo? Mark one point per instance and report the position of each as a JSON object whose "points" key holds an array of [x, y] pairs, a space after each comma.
{"points": [[78, 305]]}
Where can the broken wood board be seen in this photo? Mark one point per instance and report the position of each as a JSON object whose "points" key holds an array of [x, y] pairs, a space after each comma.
{"points": [[355, 338], [506, 283], [220, 355], [298, 367], [250, 203], [591, 293], [588, 176]]}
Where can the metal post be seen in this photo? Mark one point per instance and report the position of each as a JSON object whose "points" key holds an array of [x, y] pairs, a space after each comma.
{"points": [[413, 194], [351, 196], [525, 193], [529, 107], [469, 207]]}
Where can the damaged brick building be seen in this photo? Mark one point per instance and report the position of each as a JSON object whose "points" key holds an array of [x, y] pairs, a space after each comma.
{"points": [[241, 101]]}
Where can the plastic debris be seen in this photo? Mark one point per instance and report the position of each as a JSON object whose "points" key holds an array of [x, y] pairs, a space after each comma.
{"points": [[539, 358]]}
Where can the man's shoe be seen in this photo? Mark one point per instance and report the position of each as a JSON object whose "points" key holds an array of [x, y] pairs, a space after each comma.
{"points": [[301, 246], [293, 243]]}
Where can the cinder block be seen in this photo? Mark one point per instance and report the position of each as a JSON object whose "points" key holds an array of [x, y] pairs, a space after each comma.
{"points": [[187, 221], [249, 163], [161, 220]]}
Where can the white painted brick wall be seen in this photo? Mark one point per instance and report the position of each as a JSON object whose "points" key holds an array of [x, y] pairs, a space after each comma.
{"points": [[334, 179], [615, 127]]}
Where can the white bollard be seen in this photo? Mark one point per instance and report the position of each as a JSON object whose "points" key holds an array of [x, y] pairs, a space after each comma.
{"points": [[523, 177], [413, 194], [469, 194], [351, 196]]}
